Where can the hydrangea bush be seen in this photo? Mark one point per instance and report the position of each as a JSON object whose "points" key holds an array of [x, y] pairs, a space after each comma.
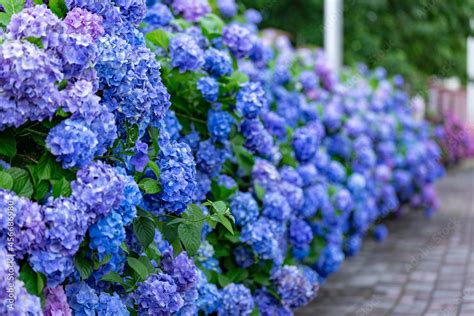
{"points": [[166, 158]]}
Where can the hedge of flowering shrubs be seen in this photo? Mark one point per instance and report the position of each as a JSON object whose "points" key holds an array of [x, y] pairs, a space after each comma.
{"points": [[174, 161], [454, 138]]}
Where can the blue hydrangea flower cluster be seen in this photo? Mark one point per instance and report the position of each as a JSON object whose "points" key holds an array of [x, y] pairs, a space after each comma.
{"points": [[209, 88], [244, 208], [217, 63], [186, 55], [236, 300], [251, 100]]}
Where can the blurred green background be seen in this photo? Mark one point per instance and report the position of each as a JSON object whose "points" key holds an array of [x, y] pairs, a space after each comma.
{"points": [[415, 38]]}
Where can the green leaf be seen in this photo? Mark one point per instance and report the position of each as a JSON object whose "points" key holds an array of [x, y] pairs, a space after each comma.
{"points": [[21, 182], [159, 38], [29, 278], [61, 187], [40, 190], [113, 277], [12, 6], [223, 280], [190, 236], [149, 186], [237, 275], [144, 229], [58, 7], [7, 144], [220, 207], [154, 167], [6, 180], [255, 312], [225, 222], [147, 263], [259, 191], [138, 267], [40, 282], [84, 267], [211, 26], [48, 168]]}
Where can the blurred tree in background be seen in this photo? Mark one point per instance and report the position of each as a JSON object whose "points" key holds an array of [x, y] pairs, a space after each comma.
{"points": [[415, 38]]}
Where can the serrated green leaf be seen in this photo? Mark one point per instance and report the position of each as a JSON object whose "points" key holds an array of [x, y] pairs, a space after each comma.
{"points": [[48, 168], [6, 180], [154, 167], [29, 278], [21, 182], [61, 187], [113, 277], [40, 190], [159, 38], [211, 26], [225, 222], [7, 144], [138, 267], [259, 191], [147, 263], [237, 275], [144, 228], [190, 236], [58, 7], [12, 6], [223, 280], [149, 186], [84, 267], [220, 207]]}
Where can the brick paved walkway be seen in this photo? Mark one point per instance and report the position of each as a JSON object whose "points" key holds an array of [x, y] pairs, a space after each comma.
{"points": [[425, 267]]}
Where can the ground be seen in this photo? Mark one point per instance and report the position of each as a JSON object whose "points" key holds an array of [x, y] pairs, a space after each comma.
{"points": [[424, 267]]}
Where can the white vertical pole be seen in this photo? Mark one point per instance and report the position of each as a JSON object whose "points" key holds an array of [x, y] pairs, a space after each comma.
{"points": [[333, 19], [470, 76]]}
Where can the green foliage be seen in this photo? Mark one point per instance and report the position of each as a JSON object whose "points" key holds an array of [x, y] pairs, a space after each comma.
{"points": [[417, 38], [58, 7], [10, 7]]}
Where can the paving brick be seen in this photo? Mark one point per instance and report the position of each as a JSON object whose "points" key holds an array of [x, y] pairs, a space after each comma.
{"points": [[423, 267]]}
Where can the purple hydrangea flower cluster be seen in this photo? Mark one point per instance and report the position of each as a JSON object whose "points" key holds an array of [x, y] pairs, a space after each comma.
{"points": [[191, 10], [238, 39], [294, 288], [209, 88], [186, 55]]}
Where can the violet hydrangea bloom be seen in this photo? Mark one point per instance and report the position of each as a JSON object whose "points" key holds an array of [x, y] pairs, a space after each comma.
{"points": [[38, 22], [98, 189], [27, 78], [191, 10], [185, 53], [236, 300], [329, 261], [56, 302], [228, 8], [239, 39], [293, 287], [80, 21], [29, 226], [182, 269], [157, 294]]}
